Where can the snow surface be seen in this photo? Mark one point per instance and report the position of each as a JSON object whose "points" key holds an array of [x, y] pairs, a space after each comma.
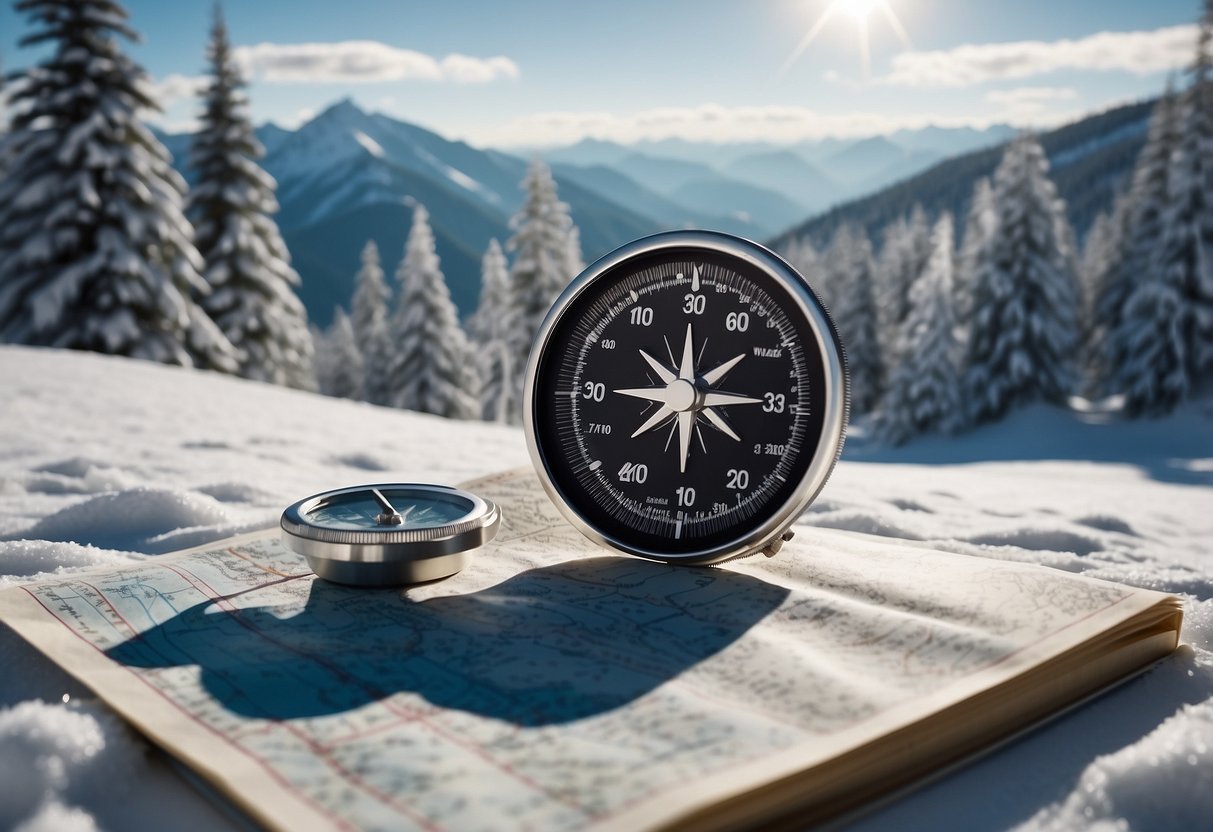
{"points": [[105, 459]]}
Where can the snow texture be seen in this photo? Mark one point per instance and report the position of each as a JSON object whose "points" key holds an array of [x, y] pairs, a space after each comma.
{"points": [[1023, 331], [431, 368], [95, 252], [87, 440], [251, 283]]}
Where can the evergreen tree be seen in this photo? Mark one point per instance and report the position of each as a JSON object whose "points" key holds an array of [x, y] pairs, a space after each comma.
{"points": [[1150, 346], [339, 365], [370, 324], [1138, 231], [924, 390], [431, 367], [490, 328], [980, 222], [95, 252], [545, 261], [803, 257], [1024, 319], [252, 296], [850, 265], [1186, 252], [903, 256]]}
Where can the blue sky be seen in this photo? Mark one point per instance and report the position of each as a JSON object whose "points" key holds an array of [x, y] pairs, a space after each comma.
{"points": [[533, 72]]}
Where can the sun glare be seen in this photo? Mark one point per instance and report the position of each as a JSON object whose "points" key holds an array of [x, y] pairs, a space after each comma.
{"points": [[858, 9], [860, 12]]}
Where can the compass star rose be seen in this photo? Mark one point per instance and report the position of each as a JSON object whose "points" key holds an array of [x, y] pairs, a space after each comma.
{"points": [[686, 396]]}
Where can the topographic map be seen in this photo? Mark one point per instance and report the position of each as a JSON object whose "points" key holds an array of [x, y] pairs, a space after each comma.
{"points": [[548, 685]]}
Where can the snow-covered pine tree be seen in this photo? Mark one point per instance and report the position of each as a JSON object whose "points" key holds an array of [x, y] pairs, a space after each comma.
{"points": [[489, 328], [369, 320], [431, 368], [904, 254], [544, 263], [252, 285], [1148, 345], [850, 266], [980, 221], [1024, 319], [924, 389], [339, 365], [1135, 232], [803, 257], [95, 252], [1187, 247]]}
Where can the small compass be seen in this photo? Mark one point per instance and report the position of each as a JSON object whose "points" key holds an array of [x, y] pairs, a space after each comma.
{"points": [[389, 535], [686, 398]]}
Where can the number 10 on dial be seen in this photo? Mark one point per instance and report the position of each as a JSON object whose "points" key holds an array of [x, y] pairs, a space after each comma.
{"points": [[686, 398]]}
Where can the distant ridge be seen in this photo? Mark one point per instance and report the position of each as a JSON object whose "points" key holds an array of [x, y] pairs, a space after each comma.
{"points": [[1089, 159]]}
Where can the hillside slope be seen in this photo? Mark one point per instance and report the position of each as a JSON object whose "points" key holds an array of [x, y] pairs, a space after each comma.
{"points": [[1089, 160]]}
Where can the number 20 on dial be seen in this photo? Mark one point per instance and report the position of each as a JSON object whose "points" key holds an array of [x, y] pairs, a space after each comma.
{"points": [[686, 398]]}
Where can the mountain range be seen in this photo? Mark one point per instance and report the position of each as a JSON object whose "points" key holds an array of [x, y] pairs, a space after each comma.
{"points": [[1089, 160], [347, 176]]}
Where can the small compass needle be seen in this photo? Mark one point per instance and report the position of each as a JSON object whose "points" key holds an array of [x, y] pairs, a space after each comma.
{"points": [[686, 370], [653, 394], [723, 399], [653, 421], [686, 426], [662, 373], [713, 376], [714, 417]]}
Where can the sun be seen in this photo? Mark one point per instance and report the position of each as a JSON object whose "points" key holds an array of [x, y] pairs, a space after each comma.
{"points": [[858, 9], [860, 12]]}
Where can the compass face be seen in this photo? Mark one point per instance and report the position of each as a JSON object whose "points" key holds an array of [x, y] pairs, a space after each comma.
{"points": [[686, 398]]}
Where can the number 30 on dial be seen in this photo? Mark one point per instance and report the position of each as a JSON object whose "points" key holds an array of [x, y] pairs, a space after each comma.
{"points": [[686, 398]]}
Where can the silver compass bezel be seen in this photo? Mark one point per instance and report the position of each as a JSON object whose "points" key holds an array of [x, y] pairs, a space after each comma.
{"points": [[836, 394], [388, 555]]}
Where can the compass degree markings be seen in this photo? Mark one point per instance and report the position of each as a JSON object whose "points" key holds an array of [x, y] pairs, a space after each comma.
{"points": [[684, 396]]}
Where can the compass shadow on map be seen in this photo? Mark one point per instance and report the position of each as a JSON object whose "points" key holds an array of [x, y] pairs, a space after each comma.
{"points": [[548, 646]]}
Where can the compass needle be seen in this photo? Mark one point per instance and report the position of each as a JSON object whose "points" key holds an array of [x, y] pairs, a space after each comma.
{"points": [[686, 425], [713, 376], [662, 373], [653, 394], [686, 370], [653, 421], [723, 426], [723, 399]]}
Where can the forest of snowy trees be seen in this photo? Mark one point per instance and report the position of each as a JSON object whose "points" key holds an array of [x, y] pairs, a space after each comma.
{"points": [[942, 337], [948, 322]]}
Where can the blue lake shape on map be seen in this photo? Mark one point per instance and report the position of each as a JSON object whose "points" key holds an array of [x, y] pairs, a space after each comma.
{"points": [[548, 646]]}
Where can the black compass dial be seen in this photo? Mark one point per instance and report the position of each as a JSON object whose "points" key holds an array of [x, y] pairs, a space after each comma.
{"points": [[680, 399]]}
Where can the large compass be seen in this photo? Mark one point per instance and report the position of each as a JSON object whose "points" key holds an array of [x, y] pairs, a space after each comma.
{"points": [[686, 398]]}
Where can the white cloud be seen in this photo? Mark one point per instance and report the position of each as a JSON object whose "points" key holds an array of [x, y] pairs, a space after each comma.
{"points": [[1030, 96], [364, 61], [1034, 106], [1139, 53], [175, 88], [711, 123]]}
